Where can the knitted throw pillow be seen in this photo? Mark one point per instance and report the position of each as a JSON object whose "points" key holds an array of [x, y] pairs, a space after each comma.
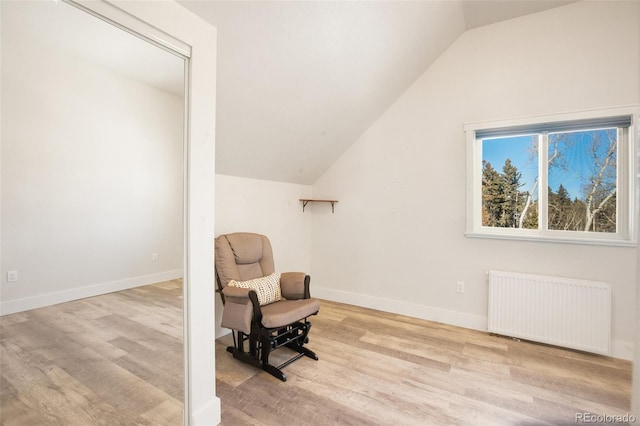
{"points": [[267, 288]]}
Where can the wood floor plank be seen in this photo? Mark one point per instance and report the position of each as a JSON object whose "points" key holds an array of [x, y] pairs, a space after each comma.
{"points": [[117, 360], [166, 413], [95, 361], [386, 369]]}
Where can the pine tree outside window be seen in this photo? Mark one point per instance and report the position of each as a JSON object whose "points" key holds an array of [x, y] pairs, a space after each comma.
{"points": [[562, 179]]}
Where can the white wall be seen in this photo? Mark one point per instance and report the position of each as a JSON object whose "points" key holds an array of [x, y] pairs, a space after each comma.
{"points": [[91, 177], [269, 208], [635, 381], [635, 397], [397, 239]]}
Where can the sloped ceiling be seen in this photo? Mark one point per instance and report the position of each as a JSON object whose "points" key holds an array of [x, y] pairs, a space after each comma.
{"points": [[299, 82], [56, 25], [484, 12]]}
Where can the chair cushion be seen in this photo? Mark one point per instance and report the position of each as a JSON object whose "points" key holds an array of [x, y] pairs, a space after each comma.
{"points": [[242, 256], [286, 312], [247, 247], [267, 288]]}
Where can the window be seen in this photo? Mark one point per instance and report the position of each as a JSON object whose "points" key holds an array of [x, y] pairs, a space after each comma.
{"points": [[562, 179]]}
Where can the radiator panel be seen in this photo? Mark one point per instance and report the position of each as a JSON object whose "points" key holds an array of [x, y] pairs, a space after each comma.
{"points": [[559, 311]]}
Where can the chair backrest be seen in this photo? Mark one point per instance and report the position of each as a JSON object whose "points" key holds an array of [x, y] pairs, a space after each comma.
{"points": [[242, 256]]}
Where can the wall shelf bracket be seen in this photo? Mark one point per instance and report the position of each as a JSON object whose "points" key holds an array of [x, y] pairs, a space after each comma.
{"points": [[306, 201]]}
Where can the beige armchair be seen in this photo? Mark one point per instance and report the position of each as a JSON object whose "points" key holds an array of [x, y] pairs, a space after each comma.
{"points": [[265, 309]]}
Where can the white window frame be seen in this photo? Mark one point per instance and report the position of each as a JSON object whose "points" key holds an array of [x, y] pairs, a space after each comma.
{"points": [[626, 234]]}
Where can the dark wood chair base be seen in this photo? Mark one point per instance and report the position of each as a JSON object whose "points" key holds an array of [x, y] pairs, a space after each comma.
{"points": [[263, 341]]}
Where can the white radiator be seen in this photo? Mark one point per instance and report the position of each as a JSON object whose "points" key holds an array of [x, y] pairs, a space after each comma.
{"points": [[559, 311]]}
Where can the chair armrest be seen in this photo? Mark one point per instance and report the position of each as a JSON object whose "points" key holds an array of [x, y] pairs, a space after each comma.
{"points": [[240, 308], [295, 285], [236, 294]]}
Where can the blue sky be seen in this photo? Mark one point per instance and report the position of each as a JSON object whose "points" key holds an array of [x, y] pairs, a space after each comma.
{"points": [[576, 155], [518, 149]]}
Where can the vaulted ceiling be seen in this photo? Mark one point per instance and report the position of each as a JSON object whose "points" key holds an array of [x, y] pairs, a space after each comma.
{"points": [[299, 82], [56, 25]]}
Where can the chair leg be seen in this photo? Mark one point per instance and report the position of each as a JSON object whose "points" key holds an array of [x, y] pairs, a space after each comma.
{"points": [[274, 371], [237, 343], [238, 350], [261, 343], [264, 357], [297, 344]]}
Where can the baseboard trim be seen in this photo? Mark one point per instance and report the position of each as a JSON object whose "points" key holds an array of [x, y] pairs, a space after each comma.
{"points": [[207, 415], [622, 349], [619, 348], [48, 299], [460, 319]]}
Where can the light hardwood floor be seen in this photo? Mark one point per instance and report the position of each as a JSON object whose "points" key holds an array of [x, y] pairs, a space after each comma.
{"points": [[377, 368], [117, 360]]}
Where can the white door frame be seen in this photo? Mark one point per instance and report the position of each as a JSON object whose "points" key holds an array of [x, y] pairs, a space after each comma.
{"points": [[173, 27]]}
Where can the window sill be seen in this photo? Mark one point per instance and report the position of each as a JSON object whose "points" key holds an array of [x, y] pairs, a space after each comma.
{"points": [[550, 239]]}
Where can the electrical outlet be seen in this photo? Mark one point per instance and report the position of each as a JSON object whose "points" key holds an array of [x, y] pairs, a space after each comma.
{"points": [[12, 276], [154, 257], [460, 287]]}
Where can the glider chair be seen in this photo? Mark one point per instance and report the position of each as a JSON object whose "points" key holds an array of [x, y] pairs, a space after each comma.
{"points": [[265, 309]]}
